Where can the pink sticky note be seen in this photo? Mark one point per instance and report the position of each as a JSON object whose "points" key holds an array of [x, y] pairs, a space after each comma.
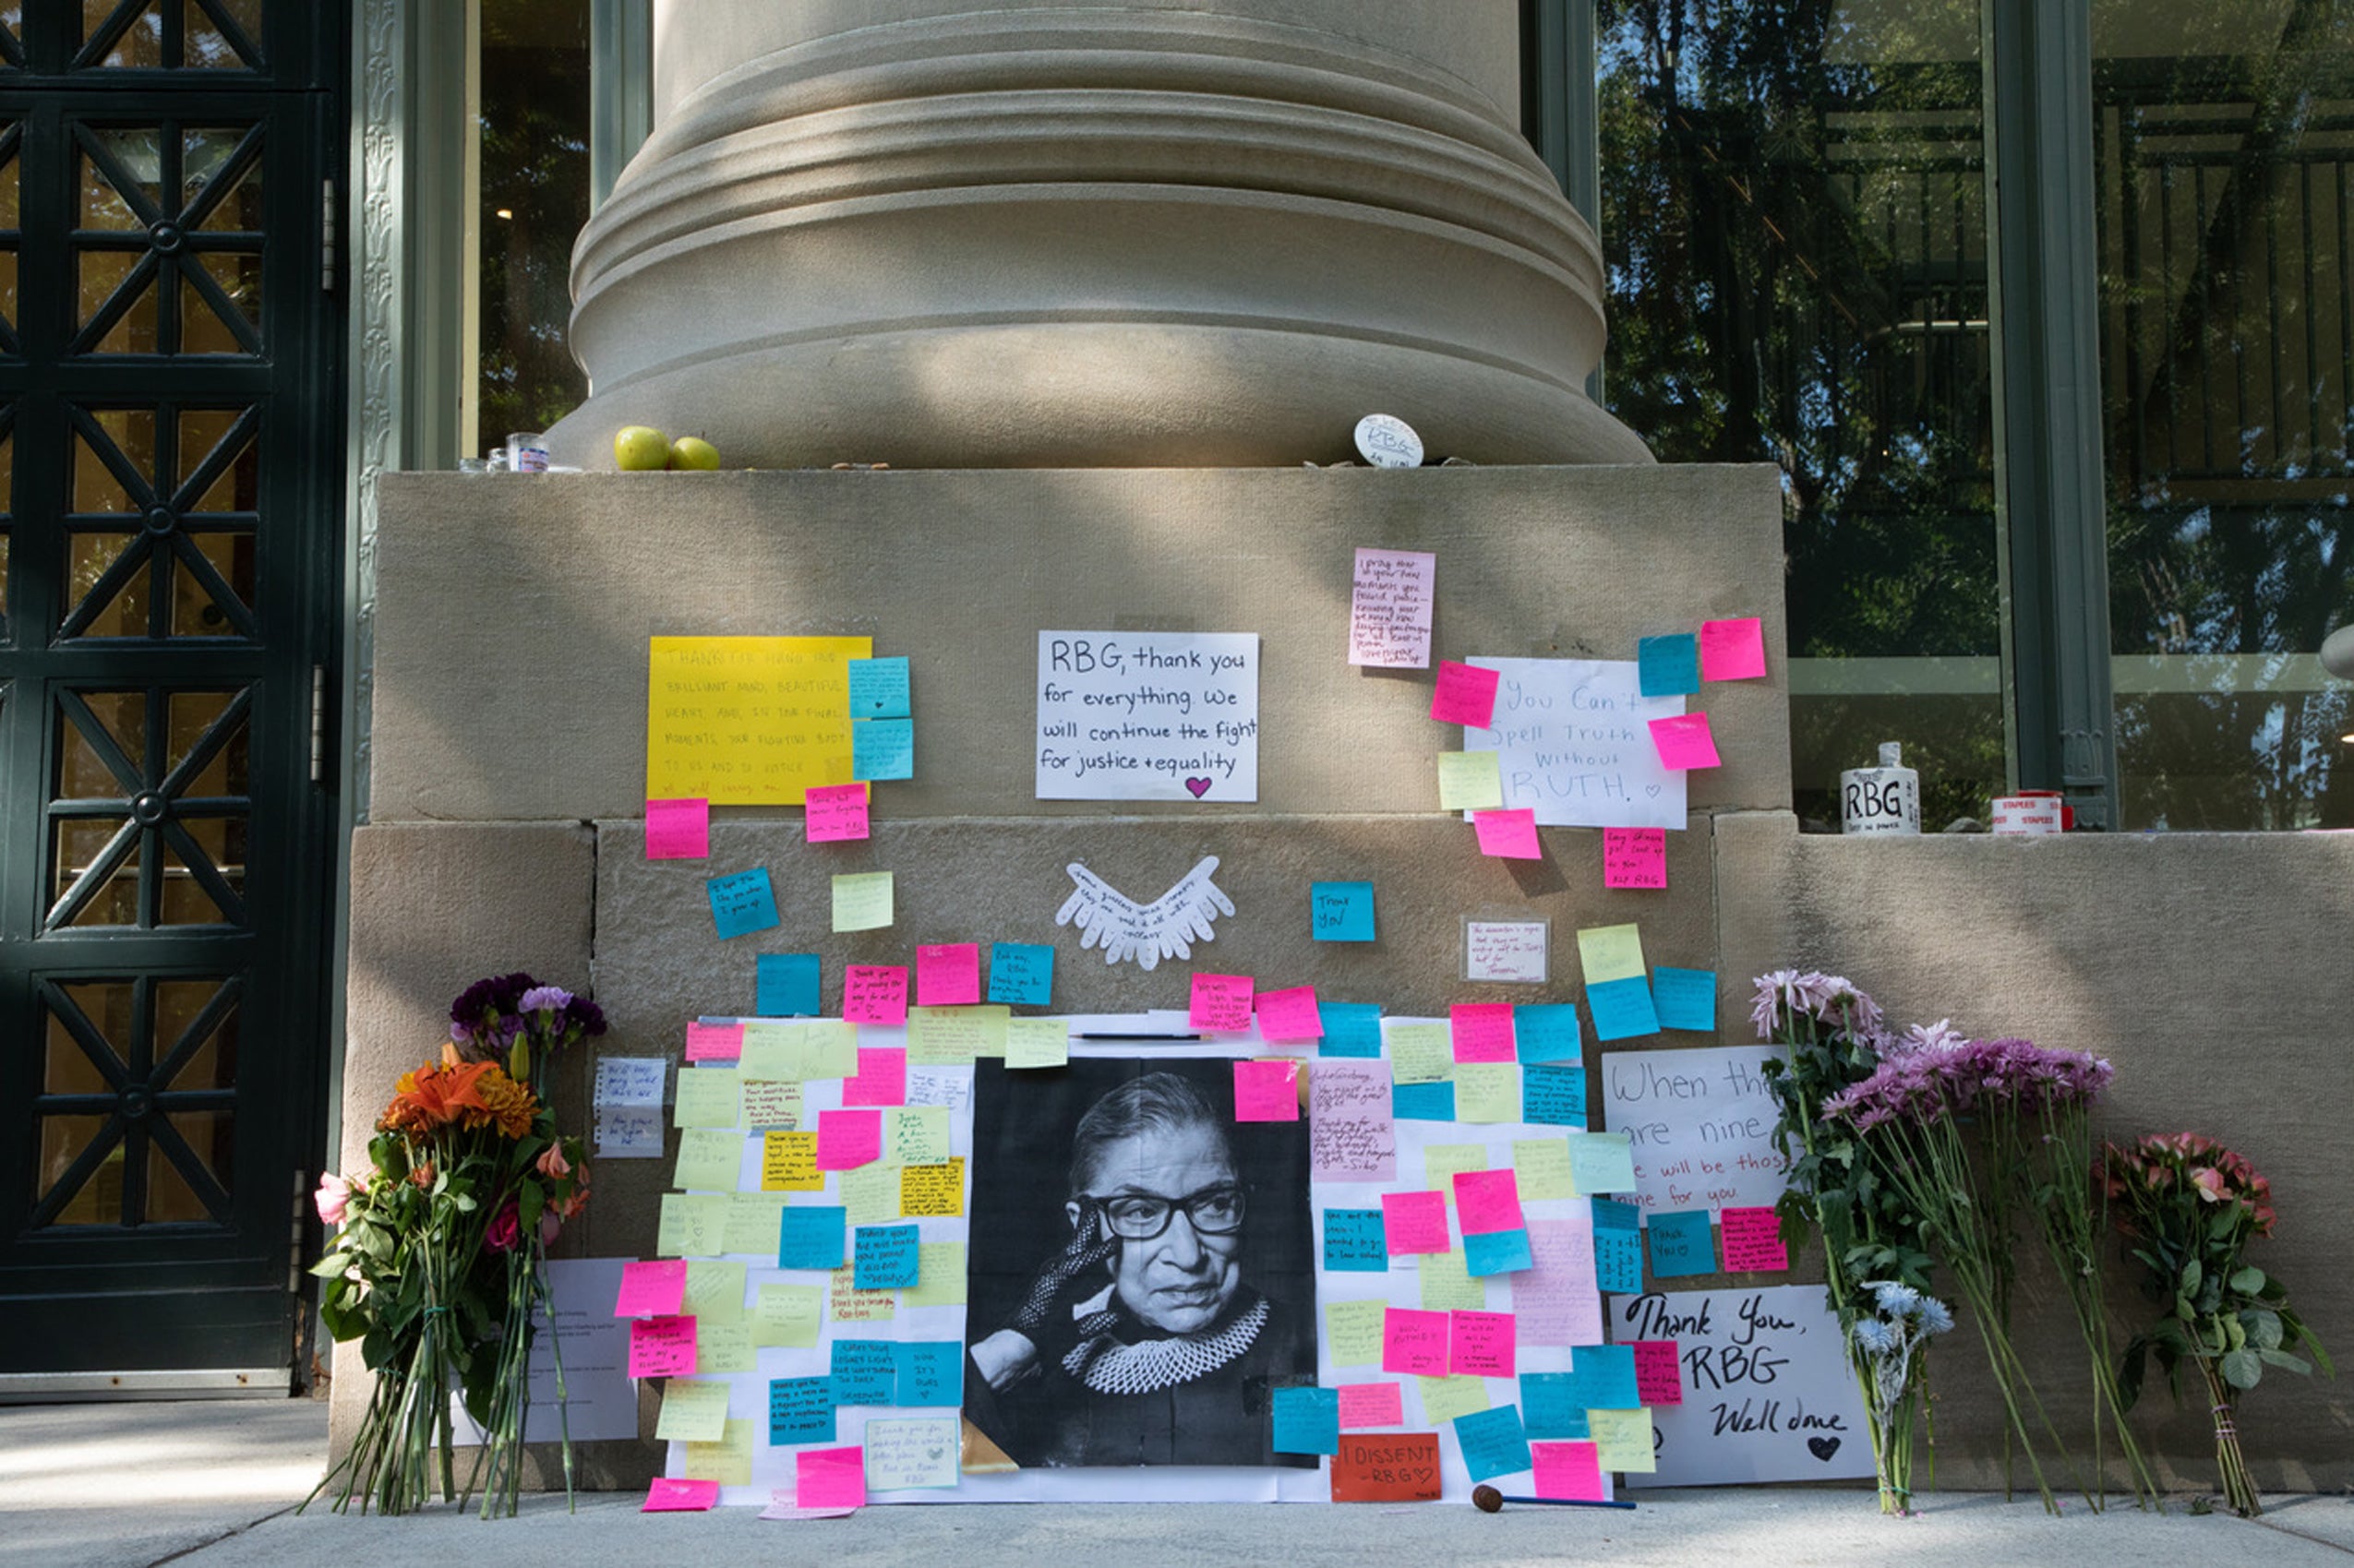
{"points": [[1634, 857], [677, 830], [849, 1139], [881, 1078], [948, 975], [669, 1496], [1482, 1031], [874, 993], [830, 1477], [1509, 835], [1289, 1015], [1753, 1240], [1366, 1404], [1415, 1221], [1488, 1201], [1684, 741], [1266, 1091], [1413, 1342], [1570, 1471], [1659, 1380], [834, 812], [651, 1290], [662, 1348], [1465, 695], [1731, 649], [714, 1042], [1478, 1345], [1221, 1002]]}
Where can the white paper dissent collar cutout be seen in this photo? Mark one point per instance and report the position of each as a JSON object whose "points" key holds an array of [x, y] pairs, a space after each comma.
{"points": [[1167, 927]]}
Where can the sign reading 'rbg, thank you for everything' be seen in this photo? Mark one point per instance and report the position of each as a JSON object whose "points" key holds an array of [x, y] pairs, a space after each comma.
{"points": [[1128, 715]]}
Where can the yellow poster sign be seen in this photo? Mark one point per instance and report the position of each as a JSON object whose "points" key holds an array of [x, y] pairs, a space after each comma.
{"points": [[747, 721]]}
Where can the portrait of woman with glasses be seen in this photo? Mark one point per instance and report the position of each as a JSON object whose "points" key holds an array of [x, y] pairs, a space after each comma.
{"points": [[1175, 1288]]}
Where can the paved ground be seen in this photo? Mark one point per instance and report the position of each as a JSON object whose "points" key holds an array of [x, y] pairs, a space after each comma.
{"points": [[214, 1484]]}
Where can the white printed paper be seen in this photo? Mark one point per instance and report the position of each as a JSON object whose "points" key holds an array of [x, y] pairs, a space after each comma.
{"points": [[600, 1402], [1142, 715], [628, 1107], [1701, 1125], [1574, 743]]}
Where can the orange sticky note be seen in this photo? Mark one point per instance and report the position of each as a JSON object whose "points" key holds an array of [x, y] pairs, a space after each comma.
{"points": [[948, 975], [834, 812], [1510, 835], [1221, 1002], [1393, 1467], [1634, 857], [1684, 741], [1266, 1091]]}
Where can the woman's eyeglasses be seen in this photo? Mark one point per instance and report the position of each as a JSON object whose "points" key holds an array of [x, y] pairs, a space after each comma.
{"points": [[1135, 1216]]}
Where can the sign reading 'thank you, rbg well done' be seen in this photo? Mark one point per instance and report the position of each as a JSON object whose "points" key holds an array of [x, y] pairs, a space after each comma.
{"points": [[1125, 715]]}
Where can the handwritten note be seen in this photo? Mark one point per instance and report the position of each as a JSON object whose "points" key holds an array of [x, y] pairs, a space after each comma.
{"points": [[1354, 1241], [1753, 1241], [1480, 1345], [1266, 1091], [1021, 973], [1546, 1032], [883, 749], [1568, 1472], [677, 830], [1555, 1299], [1221, 1002], [650, 1288], [1287, 1015], [786, 986], [747, 721], [874, 993], [1658, 1380], [1622, 1008], [1340, 912], [742, 903], [1682, 1243], [662, 1348], [1508, 835], [1611, 953], [932, 1192], [1497, 1251], [627, 1107], [1465, 695], [834, 813], [1488, 1200], [1413, 1342], [1698, 1125], [1402, 1467], [884, 1257], [1306, 1420], [1351, 1029], [1365, 1405], [1731, 649], [931, 1371], [1634, 857], [1493, 1443], [1167, 927], [862, 901], [1686, 997], [1350, 1134], [1470, 781], [908, 1453], [1481, 1031], [948, 974], [1570, 739], [1685, 741], [1415, 1221], [1668, 666], [1618, 1246], [1513, 952], [811, 1238], [1032, 1043], [1389, 609], [878, 689], [1147, 716]]}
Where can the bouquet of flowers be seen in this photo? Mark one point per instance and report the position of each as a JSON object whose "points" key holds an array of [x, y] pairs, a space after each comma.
{"points": [[438, 1257], [2188, 1208], [1899, 1325]]}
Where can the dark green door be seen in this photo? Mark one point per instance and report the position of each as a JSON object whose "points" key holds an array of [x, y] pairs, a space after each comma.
{"points": [[170, 450]]}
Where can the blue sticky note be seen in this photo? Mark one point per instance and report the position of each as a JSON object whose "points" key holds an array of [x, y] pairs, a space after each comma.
{"points": [[1668, 666], [1686, 998], [1547, 1032], [1340, 912], [866, 1372], [1307, 1420], [1497, 1251], [742, 903], [885, 1257], [1492, 1441], [879, 688], [1423, 1102], [800, 1410], [1622, 1008], [883, 749], [931, 1371], [787, 985], [1618, 1247], [1355, 1241], [1553, 1096], [1602, 1377], [811, 1238], [1351, 1028], [1682, 1244], [1022, 973], [1550, 1407]]}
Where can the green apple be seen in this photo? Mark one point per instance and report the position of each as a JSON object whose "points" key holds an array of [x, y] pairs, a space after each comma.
{"points": [[694, 451], [640, 447]]}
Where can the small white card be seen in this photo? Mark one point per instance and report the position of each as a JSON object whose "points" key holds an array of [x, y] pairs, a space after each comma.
{"points": [[1511, 951]]}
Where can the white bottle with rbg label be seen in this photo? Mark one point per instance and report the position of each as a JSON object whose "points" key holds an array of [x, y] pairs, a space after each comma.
{"points": [[1886, 799]]}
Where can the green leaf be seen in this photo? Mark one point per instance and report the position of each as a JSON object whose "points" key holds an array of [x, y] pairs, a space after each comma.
{"points": [[2130, 1372], [2264, 1328], [2248, 1281], [2192, 1275], [2283, 1358], [331, 1266], [2242, 1368]]}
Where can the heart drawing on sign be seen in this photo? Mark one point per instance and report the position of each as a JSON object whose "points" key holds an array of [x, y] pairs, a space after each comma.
{"points": [[1823, 1448], [1652, 790], [1199, 786]]}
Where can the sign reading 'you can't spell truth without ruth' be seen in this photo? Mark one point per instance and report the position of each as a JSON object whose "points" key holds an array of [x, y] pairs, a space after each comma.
{"points": [[1128, 715]]}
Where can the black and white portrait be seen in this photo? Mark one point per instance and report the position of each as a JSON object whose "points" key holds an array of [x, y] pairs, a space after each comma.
{"points": [[1141, 1267]]}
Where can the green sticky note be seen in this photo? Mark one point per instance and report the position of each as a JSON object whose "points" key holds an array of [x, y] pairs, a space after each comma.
{"points": [[1611, 953], [1602, 1162], [709, 1158], [1470, 781], [824, 1047], [862, 901], [1622, 1439], [1421, 1053], [869, 1195], [1352, 1331], [694, 1225], [1441, 1161], [956, 1036], [709, 1097], [941, 1282], [1487, 1091], [1445, 1398], [723, 1348], [714, 1293], [916, 1135], [788, 1315], [1447, 1284], [1037, 1042], [752, 1218], [728, 1461], [1541, 1165], [692, 1411]]}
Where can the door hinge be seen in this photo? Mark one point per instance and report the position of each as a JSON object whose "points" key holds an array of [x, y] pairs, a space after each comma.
{"points": [[318, 722], [327, 236]]}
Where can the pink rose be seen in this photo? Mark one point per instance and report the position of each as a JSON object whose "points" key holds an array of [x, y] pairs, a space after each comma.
{"points": [[553, 1164], [504, 1230], [333, 1197], [2209, 1181]]}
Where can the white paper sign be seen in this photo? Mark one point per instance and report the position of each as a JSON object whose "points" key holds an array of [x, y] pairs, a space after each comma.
{"points": [[1768, 1394], [1145, 715], [1389, 609], [1167, 927], [912, 1452], [1511, 951], [1573, 742], [628, 1107], [1701, 1123], [600, 1402]]}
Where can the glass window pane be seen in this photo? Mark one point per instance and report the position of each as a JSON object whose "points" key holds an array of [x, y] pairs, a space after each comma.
{"points": [[535, 200], [98, 1200]]}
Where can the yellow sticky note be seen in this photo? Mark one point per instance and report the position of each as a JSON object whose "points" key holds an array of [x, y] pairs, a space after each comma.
{"points": [[1611, 953], [716, 728], [723, 1348], [1421, 1053], [1441, 1161], [709, 1097], [941, 1276], [862, 901], [1037, 1042], [1445, 1398], [694, 1225], [714, 1294], [1470, 781], [728, 1461], [1622, 1439], [709, 1158], [1352, 1332], [788, 1163], [770, 1050], [846, 1303], [916, 1135], [693, 1412], [1541, 1167], [932, 1192], [1448, 1284], [822, 1048], [751, 1224], [870, 1194], [954, 1036], [1487, 1091], [787, 1315], [771, 1101]]}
